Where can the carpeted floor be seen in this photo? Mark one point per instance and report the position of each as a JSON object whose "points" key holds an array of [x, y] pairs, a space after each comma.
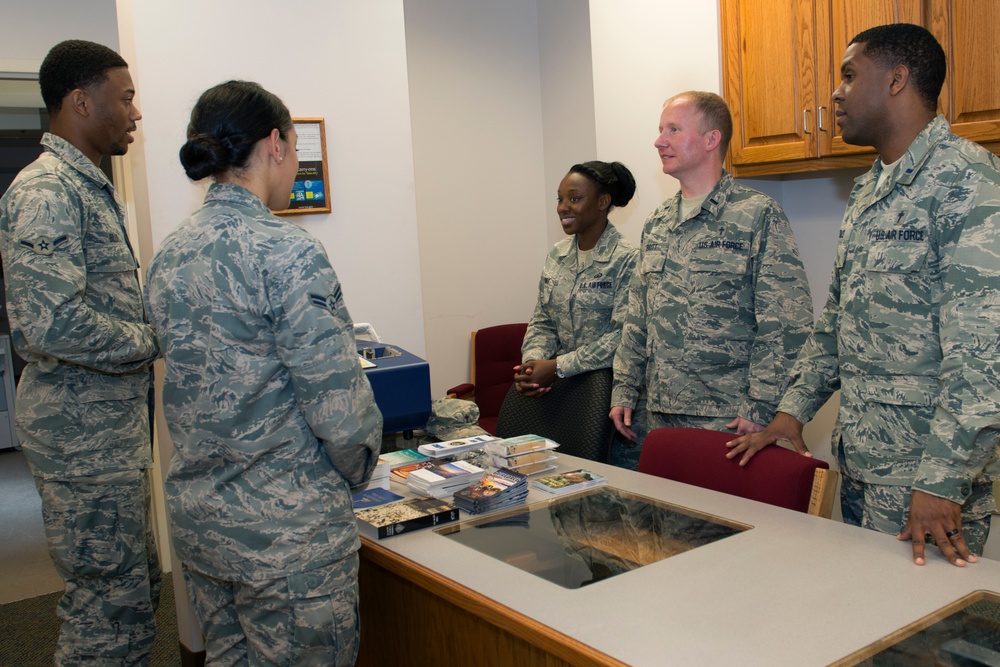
{"points": [[29, 629]]}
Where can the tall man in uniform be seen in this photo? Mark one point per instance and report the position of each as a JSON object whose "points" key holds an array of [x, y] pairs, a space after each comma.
{"points": [[719, 304], [909, 331], [77, 318]]}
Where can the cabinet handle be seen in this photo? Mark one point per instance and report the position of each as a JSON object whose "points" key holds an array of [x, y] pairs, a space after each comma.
{"points": [[805, 122], [821, 115]]}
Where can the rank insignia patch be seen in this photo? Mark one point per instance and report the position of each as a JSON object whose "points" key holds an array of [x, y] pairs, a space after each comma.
{"points": [[43, 245], [329, 302]]}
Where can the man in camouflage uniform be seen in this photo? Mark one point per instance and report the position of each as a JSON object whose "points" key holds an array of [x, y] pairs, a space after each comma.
{"points": [[909, 332], [719, 302], [83, 399], [274, 426]]}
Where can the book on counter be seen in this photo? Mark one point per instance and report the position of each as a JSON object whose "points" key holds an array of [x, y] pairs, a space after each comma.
{"points": [[568, 482], [371, 497], [402, 473], [400, 458], [444, 479], [522, 444], [527, 454], [499, 489], [404, 516], [449, 448]]}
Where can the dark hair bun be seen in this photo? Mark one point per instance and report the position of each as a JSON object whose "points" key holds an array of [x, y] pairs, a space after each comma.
{"points": [[611, 178], [226, 123], [624, 186], [204, 155]]}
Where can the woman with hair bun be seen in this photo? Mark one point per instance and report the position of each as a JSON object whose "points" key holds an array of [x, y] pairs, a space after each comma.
{"points": [[583, 291], [273, 423]]}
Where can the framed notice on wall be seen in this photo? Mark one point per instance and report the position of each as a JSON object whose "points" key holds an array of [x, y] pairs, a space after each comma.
{"points": [[311, 190]]}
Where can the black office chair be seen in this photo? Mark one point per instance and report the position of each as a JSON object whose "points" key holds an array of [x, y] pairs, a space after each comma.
{"points": [[574, 414]]}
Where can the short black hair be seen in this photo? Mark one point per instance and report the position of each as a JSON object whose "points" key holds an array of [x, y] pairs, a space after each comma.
{"points": [[73, 64], [912, 46], [226, 123], [611, 178]]}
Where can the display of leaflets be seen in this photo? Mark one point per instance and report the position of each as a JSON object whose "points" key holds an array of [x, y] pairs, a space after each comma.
{"points": [[533, 469], [400, 458], [449, 448], [522, 460], [444, 479], [404, 516], [568, 482], [521, 444], [401, 473], [497, 490], [380, 476], [371, 497]]}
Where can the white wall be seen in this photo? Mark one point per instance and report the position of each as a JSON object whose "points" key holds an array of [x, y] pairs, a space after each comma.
{"points": [[343, 61], [28, 29], [475, 105], [644, 53]]}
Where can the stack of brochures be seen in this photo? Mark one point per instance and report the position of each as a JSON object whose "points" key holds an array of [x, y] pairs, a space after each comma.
{"points": [[497, 490], [380, 477], [402, 462], [443, 479], [404, 516], [568, 482], [526, 454], [449, 448]]}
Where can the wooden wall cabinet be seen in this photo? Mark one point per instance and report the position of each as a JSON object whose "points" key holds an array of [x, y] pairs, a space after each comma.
{"points": [[781, 64]]}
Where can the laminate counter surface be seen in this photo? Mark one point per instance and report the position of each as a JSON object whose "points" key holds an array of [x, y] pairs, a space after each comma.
{"points": [[792, 590]]}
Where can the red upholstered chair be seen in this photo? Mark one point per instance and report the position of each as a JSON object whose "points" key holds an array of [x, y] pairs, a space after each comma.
{"points": [[495, 352], [775, 475]]}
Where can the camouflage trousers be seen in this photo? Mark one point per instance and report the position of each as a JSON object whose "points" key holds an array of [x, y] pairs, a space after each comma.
{"points": [[100, 538], [309, 618], [885, 508], [625, 453]]}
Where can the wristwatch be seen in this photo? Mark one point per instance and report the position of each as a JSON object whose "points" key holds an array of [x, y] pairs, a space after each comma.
{"points": [[559, 370]]}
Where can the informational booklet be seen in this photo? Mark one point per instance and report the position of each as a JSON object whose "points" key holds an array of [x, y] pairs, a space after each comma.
{"points": [[404, 516], [568, 482], [497, 490], [371, 497], [449, 448], [444, 479], [402, 473], [400, 458], [521, 444]]}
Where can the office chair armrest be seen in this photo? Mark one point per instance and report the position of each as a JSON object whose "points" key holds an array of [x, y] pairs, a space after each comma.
{"points": [[464, 391]]}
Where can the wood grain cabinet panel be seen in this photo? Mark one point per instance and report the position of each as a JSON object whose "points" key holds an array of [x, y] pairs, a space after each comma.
{"points": [[781, 64]]}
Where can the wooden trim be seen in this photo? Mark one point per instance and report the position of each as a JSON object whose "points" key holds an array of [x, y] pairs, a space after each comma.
{"points": [[190, 658], [823, 493], [472, 362], [504, 618], [915, 627]]}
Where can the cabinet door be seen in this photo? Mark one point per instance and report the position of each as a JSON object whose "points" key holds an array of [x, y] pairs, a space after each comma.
{"points": [[769, 79], [838, 21], [969, 31]]}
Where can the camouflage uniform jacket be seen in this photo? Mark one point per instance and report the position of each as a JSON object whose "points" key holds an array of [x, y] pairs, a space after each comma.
{"points": [[581, 309], [76, 317], [718, 309], [909, 331], [273, 422]]}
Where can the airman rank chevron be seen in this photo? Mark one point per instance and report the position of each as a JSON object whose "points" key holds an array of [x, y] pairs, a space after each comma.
{"points": [[329, 302], [43, 245]]}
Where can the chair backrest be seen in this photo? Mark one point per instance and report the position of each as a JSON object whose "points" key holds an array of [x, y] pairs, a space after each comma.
{"points": [[495, 352], [775, 475], [574, 414]]}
